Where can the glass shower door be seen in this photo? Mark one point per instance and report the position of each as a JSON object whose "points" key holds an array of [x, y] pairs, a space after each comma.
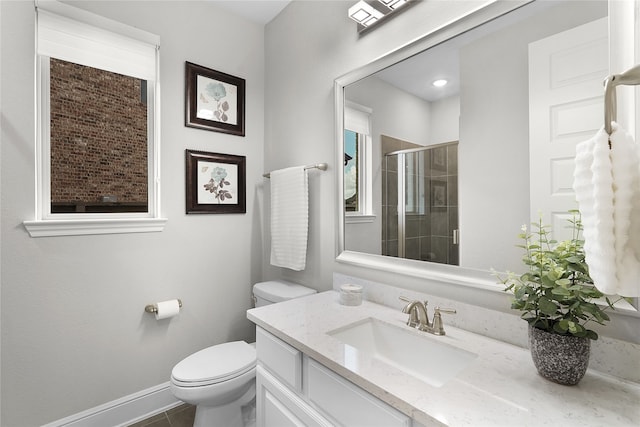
{"points": [[420, 204]]}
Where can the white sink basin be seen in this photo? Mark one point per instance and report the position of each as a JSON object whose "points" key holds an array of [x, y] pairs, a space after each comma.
{"points": [[422, 356]]}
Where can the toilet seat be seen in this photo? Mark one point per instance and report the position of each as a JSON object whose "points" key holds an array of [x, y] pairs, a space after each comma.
{"points": [[215, 364]]}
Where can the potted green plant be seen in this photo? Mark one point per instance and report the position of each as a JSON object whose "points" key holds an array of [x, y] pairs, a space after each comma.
{"points": [[557, 298]]}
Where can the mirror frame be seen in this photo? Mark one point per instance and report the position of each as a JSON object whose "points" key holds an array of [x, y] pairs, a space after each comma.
{"points": [[455, 275]]}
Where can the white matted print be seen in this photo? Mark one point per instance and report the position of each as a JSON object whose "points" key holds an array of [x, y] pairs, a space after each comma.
{"points": [[217, 183], [217, 101]]}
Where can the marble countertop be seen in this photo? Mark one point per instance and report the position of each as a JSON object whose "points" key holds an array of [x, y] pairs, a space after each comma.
{"points": [[500, 387]]}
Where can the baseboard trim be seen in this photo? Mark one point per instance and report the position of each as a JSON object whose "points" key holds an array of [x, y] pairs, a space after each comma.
{"points": [[124, 411]]}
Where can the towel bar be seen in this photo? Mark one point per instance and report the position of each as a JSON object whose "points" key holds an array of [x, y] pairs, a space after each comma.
{"points": [[631, 77], [321, 166]]}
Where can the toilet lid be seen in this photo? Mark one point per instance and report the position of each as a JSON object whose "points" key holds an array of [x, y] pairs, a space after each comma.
{"points": [[216, 363], [280, 290]]}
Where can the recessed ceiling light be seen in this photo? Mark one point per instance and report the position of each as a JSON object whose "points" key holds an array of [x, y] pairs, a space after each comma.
{"points": [[440, 83]]}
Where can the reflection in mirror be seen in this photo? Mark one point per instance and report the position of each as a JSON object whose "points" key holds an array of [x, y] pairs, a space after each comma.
{"points": [[98, 125], [352, 140], [420, 201], [357, 162], [484, 153]]}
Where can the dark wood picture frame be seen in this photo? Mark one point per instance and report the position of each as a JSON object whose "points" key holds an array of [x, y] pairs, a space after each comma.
{"points": [[214, 100], [216, 183]]}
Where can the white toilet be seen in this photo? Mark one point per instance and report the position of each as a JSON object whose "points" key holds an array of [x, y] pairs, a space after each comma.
{"points": [[220, 380]]}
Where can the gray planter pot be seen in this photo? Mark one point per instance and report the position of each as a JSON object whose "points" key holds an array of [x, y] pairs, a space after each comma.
{"points": [[560, 358]]}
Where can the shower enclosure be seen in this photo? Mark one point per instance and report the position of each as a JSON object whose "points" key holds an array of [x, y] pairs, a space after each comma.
{"points": [[420, 203]]}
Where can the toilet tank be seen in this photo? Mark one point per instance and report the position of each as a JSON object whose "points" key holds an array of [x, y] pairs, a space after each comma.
{"points": [[278, 290]]}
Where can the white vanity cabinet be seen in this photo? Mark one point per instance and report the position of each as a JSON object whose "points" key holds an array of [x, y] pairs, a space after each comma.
{"points": [[279, 406], [279, 398], [295, 390]]}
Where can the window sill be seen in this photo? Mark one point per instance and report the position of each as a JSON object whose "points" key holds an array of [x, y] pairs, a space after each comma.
{"points": [[49, 228], [358, 219]]}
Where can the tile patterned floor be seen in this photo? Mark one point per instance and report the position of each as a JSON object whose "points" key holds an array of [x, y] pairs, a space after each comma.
{"points": [[180, 416]]}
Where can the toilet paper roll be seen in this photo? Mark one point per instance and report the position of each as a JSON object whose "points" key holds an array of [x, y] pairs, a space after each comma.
{"points": [[167, 309]]}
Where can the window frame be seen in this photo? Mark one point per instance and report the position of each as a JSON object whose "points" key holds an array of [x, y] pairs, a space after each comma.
{"points": [[47, 223], [365, 169]]}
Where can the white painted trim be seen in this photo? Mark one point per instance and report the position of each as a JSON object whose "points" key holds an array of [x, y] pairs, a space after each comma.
{"points": [[438, 272], [124, 411], [357, 219], [77, 227]]}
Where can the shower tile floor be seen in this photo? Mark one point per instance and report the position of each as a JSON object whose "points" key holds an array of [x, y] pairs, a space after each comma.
{"points": [[180, 416]]}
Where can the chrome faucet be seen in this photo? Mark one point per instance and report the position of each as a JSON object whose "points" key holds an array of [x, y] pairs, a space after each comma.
{"points": [[419, 316]]}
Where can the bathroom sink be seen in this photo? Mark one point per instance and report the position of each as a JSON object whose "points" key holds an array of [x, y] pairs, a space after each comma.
{"points": [[421, 356]]}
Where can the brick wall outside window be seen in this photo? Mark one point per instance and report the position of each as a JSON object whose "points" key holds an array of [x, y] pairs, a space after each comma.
{"points": [[98, 136]]}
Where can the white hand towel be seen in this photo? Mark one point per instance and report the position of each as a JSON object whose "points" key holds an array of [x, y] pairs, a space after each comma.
{"points": [[607, 187], [289, 218], [593, 184], [625, 161]]}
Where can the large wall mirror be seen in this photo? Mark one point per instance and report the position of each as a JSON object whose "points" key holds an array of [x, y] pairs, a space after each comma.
{"points": [[439, 178]]}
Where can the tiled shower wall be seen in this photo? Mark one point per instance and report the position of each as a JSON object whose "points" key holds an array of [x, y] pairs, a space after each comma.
{"points": [[428, 229]]}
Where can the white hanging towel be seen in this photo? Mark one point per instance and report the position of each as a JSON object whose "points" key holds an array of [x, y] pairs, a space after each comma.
{"points": [[289, 218], [607, 186], [625, 159]]}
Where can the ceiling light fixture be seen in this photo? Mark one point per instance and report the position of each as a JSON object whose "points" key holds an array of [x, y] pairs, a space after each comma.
{"points": [[393, 4], [369, 12], [439, 82], [364, 14]]}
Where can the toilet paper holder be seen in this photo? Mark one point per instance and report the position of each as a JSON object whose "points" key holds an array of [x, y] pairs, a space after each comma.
{"points": [[153, 308]]}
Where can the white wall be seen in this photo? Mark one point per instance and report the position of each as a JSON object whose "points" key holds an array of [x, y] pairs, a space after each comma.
{"points": [[74, 331], [445, 120], [396, 113]]}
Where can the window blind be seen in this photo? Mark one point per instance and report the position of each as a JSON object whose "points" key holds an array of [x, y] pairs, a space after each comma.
{"points": [[78, 36], [357, 119]]}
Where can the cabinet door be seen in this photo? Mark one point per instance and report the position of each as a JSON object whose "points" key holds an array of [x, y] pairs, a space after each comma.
{"points": [[280, 358], [278, 406], [347, 403]]}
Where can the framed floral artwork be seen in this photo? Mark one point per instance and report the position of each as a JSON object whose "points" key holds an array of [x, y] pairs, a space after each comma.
{"points": [[214, 100], [216, 183]]}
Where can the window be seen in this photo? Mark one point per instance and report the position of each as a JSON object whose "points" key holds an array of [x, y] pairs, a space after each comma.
{"points": [[357, 163], [98, 125], [351, 166], [98, 140]]}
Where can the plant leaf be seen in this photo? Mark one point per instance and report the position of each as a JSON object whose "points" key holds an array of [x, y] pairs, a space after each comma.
{"points": [[591, 334], [560, 291], [547, 306]]}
